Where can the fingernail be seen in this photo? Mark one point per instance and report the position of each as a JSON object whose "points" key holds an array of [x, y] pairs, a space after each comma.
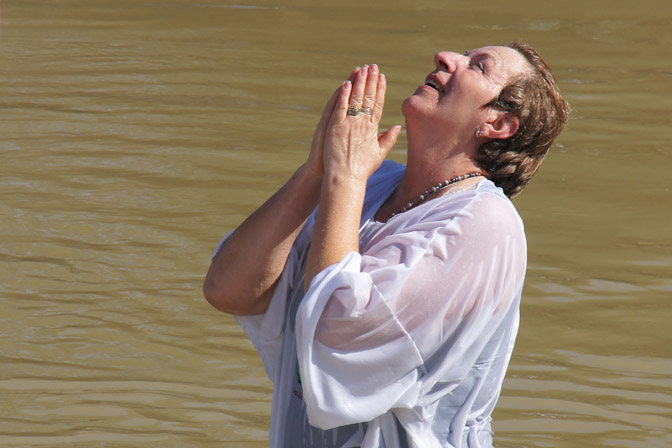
{"points": [[374, 68]]}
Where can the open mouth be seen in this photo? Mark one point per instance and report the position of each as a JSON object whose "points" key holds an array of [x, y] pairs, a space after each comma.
{"points": [[434, 85]]}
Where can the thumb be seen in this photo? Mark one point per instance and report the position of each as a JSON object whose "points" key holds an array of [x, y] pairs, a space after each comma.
{"points": [[388, 139]]}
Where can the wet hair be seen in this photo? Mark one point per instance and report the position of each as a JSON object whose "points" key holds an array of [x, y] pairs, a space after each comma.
{"points": [[533, 97]]}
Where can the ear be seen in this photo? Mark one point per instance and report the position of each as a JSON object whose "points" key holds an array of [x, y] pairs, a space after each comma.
{"points": [[500, 126]]}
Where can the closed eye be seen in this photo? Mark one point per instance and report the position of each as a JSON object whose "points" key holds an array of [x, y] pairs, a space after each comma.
{"points": [[479, 65]]}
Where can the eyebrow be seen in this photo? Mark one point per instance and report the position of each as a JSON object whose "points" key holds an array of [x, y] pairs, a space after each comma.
{"points": [[481, 54]]}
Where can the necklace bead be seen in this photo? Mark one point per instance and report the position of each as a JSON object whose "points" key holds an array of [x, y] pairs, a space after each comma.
{"points": [[435, 189]]}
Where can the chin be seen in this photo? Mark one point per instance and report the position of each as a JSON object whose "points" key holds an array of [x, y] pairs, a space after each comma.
{"points": [[413, 106]]}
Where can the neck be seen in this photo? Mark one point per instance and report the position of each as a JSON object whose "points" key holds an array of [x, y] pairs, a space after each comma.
{"points": [[426, 182], [427, 167]]}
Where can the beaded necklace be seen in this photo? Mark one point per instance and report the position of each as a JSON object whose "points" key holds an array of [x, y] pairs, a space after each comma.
{"points": [[432, 191]]}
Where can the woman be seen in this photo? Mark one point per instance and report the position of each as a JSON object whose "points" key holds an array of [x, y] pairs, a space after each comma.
{"points": [[387, 318]]}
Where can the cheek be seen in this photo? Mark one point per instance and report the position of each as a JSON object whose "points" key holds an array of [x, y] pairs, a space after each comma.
{"points": [[463, 111], [481, 91], [490, 92]]}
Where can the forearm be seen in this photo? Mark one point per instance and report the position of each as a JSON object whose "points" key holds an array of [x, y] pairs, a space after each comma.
{"points": [[353, 150], [244, 271], [337, 225]]}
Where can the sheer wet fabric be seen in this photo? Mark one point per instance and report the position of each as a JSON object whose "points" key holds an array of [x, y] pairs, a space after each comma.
{"points": [[405, 343]]}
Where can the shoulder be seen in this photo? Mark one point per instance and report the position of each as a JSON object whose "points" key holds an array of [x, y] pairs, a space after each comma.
{"points": [[484, 206], [489, 204], [482, 218], [485, 223]]}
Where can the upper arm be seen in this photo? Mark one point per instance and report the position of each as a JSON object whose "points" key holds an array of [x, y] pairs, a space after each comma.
{"points": [[428, 280], [368, 324]]}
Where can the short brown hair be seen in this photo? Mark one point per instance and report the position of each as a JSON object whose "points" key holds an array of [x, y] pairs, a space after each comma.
{"points": [[542, 112]]}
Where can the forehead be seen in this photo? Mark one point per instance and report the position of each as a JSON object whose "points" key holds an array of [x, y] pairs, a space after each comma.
{"points": [[509, 61]]}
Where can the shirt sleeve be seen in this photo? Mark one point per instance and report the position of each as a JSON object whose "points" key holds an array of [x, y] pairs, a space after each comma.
{"points": [[267, 330], [380, 329]]}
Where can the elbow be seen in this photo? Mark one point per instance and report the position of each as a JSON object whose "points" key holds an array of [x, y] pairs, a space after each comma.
{"points": [[214, 296], [218, 294], [218, 290], [226, 298]]}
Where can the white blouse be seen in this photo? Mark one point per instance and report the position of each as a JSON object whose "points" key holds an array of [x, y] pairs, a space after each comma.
{"points": [[407, 343]]}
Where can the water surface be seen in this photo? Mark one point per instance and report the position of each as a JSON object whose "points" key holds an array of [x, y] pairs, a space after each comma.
{"points": [[135, 134]]}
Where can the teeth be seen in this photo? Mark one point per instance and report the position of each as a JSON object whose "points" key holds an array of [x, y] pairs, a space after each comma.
{"points": [[433, 84]]}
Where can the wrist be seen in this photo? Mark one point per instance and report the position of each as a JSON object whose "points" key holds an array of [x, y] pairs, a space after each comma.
{"points": [[343, 184], [310, 174]]}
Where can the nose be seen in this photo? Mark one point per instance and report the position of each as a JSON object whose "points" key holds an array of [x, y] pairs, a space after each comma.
{"points": [[448, 60]]}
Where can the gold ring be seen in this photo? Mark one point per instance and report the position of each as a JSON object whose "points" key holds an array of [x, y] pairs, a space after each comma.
{"points": [[354, 110]]}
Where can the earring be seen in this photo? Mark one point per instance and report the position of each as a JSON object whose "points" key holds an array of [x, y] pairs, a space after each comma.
{"points": [[479, 133]]}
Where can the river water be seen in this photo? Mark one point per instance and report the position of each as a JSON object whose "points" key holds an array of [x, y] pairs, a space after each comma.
{"points": [[134, 134]]}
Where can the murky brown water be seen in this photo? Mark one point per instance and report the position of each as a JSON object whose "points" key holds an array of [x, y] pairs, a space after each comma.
{"points": [[135, 133]]}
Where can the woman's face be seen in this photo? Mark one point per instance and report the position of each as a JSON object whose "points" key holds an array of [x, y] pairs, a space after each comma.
{"points": [[453, 96]]}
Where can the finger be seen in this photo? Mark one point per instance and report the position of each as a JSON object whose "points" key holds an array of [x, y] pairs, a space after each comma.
{"points": [[370, 90], [329, 108], [357, 95], [388, 139], [341, 106], [318, 139], [353, 75], [379, 103]]}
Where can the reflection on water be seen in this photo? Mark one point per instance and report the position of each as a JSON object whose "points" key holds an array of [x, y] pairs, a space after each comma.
{"points": [[134, 134]]}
